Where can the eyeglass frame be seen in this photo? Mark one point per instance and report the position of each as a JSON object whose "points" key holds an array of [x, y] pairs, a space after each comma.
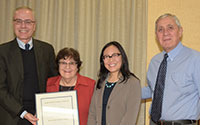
{"points": [[27, 22], [106, 57], [65, 63]]}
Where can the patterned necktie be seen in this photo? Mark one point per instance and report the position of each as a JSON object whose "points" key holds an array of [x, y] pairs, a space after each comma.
{"points": [[156, 109], [27, 46]]}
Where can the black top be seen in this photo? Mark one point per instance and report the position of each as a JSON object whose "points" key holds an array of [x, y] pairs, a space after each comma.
{"points": [[107, 91], [66, 88]]}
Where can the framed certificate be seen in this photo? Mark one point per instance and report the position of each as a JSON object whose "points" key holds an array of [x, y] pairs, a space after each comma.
{"points": [[57, 108]]}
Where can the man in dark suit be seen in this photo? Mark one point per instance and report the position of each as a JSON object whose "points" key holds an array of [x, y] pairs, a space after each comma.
{"points": [[25, 65]]}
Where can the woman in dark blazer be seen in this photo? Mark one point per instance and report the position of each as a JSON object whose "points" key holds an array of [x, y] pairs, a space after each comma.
{"points": [[69, 63], [116, 98]]}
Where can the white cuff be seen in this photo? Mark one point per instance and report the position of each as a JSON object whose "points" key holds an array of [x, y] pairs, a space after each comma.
{"points": [[23, 114]]}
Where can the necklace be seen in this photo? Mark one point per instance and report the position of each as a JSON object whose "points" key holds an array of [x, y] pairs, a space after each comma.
{"points": [[109, 85], [64, 86], [64, 83]]}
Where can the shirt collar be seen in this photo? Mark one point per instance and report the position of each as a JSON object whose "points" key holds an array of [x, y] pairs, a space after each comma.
{"points": [[173, 53], [80, 81], [22, 44]]}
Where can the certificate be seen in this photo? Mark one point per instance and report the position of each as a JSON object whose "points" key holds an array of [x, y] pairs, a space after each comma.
{"points": [[57, 108]]}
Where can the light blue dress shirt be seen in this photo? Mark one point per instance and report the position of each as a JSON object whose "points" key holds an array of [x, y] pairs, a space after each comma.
{"points": [[181, 99], [22, 44]]}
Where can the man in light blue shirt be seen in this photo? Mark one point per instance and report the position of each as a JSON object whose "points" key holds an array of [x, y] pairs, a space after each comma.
{"points": [[181, 98]]}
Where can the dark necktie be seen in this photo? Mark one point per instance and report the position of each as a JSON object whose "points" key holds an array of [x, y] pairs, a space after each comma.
{"points": [[27, 46], [156, 109]]}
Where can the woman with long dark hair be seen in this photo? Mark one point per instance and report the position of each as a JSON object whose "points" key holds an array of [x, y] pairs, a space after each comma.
{"points": [[116, 98]]}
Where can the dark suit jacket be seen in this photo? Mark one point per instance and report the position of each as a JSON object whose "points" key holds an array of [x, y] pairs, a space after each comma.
{"points": [[12, 75]]}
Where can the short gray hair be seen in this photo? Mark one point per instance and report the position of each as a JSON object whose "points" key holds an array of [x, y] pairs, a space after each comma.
{"points": [[24, 7], [168, 15]]}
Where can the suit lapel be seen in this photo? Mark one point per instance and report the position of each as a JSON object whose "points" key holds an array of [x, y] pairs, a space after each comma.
{"points": [[16, 59], [115, 90], [38, 56], [100, 94]]}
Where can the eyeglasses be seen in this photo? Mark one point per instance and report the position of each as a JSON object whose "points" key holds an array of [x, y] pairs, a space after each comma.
{"points": [[26, 22], [114, 55], [65, 64]]}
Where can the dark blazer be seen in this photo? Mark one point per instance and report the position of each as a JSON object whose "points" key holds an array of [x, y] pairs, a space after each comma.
{"points": [[12, 75], [122, 107]]}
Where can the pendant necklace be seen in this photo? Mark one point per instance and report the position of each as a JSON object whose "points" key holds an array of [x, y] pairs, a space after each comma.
{"points": [[109, 85], [68, 88]]}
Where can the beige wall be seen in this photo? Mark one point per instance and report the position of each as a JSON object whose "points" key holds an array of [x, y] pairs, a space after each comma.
{"points": [[188, 12]]}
